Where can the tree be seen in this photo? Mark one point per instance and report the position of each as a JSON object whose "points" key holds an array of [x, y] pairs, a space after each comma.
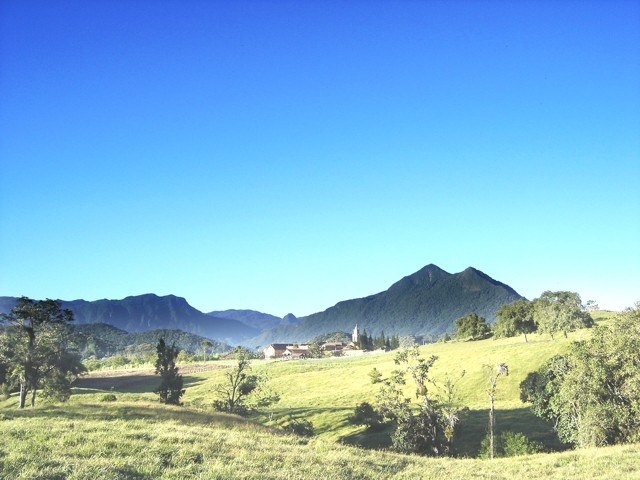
{"points": [[240, 384], [451, 407], [39, 350], [365, 414], [560, 311], [419, 428], [375, 375], [471, 326], [315, 350], [515, 318], [494, 373], [592, 393], [170, 389], [205, 344]]}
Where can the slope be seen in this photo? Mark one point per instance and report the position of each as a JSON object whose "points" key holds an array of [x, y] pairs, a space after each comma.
{"points": [[330, 388], [145, 440]]}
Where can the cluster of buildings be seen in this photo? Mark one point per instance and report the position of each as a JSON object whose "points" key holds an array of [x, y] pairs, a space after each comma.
{"points": [[302, 350]]}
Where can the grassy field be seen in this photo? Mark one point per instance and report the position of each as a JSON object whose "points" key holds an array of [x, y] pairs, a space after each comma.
{"points": [[86, 439], [325, 391], [136, 437]]}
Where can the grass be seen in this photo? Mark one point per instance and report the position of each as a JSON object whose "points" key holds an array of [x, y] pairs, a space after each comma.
{"points": [[325, 391], [136, 437], [144, 440]]}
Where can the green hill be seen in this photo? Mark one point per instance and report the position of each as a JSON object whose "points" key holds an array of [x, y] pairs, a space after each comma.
{"points": [[424, 303], [325, 391], [103, 340]]}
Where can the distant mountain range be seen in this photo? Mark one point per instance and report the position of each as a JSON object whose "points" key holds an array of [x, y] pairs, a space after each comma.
{"points": [[424, 303], [254, 319], [151, 312]]}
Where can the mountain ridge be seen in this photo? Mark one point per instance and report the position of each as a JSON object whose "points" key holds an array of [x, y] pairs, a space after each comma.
{"points": [[140, 313], [424, 303], [254, 318]]}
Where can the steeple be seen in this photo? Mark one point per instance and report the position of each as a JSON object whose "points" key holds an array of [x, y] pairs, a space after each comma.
{"points": [[355, 335]]}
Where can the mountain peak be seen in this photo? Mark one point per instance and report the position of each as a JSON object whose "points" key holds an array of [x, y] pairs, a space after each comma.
{"points": [[426, 275]]}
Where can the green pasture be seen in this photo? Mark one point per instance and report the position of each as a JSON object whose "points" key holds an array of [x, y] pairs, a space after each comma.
{"points": [[86, 439], [135, 437]]}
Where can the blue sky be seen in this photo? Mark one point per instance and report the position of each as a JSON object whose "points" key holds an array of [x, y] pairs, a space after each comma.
{"points": [[283, 156]]}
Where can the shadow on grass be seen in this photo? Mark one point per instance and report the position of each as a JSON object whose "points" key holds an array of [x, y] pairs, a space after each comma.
{"points": [[520, 420], [472, 430], [283, 414], [127, 412], [140, 383]]}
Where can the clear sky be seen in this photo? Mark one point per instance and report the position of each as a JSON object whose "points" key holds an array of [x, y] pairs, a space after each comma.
{"points": [[283, 156]]}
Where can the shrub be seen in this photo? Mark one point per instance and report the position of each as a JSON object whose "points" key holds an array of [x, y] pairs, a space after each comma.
{"points": [[108, 397], [510, 444], [304, 428], [375, 376], [365, 414], [515, 443], [421, 432]]}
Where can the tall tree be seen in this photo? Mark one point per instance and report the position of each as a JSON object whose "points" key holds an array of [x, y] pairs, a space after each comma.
{"points": [[494, 373], [560, 311], [205, 344], [40, 350], [471, 326], [515, 318], [170, 389]]}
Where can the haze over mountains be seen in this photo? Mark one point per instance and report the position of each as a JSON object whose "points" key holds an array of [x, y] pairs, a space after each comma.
{"points": [[424, 303]]}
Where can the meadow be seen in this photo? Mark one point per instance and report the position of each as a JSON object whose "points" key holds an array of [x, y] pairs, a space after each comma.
{"points": [[136, 437]]}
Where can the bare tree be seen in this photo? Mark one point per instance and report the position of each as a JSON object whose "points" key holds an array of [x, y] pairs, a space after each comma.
{"points": [[494, 373]]}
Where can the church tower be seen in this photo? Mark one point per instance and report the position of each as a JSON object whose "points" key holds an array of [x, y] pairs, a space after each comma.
{"points": [[355, 335]]}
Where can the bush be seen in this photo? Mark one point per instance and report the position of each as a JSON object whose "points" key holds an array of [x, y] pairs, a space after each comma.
{"points": [[303, 428], [421, 432], [509, 444], [365, 414], [515, 443], [375, 376], [108, 397]]}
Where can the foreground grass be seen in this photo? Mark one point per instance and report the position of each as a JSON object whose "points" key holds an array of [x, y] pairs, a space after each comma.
{"points": [[144, 440]]}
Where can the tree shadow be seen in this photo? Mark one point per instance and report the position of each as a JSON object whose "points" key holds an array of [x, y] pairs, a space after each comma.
{"points": [[136, 383], [473, 429], [279, 414], [125, 411]]}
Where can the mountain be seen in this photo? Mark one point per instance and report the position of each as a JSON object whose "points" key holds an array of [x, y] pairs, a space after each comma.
{"points": [[151, 312], [103, 340], [424, 303], [254, 319]]}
